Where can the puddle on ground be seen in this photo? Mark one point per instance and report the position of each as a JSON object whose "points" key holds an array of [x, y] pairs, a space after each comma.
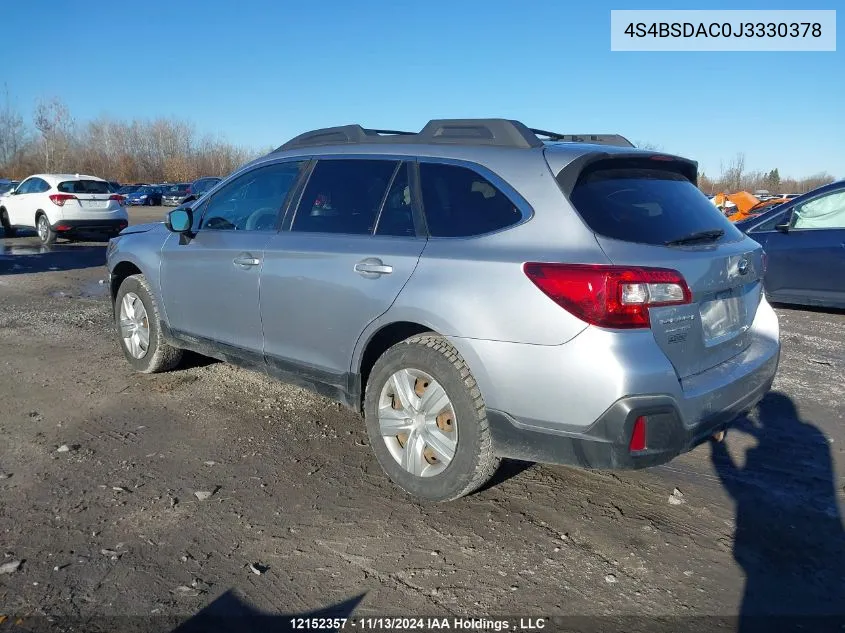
{"points": [[95, 289], [14, 249]]}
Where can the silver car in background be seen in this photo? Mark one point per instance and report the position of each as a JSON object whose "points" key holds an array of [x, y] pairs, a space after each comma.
{"points": [[172, 195], [478, 290]]}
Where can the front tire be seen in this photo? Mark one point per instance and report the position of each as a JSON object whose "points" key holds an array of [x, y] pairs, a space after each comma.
{"points": [[138, 321], [426, 420], [45, 232]]}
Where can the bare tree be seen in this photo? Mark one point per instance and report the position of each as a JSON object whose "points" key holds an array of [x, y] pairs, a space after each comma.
{"points": [[52, 119], [12, 133], [732, 174]]}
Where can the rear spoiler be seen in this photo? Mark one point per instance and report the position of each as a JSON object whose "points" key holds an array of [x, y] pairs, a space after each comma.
{"points": [[568, 176]]}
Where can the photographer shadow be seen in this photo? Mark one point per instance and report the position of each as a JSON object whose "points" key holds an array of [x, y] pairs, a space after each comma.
{"points": [[231, 614], [789, 536]]}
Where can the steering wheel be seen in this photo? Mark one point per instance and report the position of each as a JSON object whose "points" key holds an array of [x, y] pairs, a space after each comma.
{"points": [[261, 219]]}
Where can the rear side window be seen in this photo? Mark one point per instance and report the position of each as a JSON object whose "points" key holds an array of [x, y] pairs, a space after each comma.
{"points": [[397, 215], [344, 196], [84, 186], [460, 202], [40, 186], [645, 205]]}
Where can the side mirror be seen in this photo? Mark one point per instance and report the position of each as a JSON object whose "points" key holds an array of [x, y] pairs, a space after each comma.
{"points": [[180, 220], [783, 228]]}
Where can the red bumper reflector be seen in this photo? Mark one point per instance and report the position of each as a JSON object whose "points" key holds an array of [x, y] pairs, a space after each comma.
{"points": [[638, 435], [63, 227]]}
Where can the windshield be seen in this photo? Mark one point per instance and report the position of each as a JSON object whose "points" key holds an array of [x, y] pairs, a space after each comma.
{"points": [[6, 186], [146, 190], [181, 190], [127, 190], [645, 205], [84, 186]]}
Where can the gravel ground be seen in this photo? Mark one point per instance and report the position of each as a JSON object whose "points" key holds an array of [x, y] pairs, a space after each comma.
{"points": [[151, 496]]}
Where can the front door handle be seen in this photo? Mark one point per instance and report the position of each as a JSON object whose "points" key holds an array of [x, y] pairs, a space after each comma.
{"points": [[372, 267], [246, 260]]}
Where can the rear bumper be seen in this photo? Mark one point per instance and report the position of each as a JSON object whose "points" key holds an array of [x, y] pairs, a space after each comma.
{"points": [[106, 225], [605, 443], [576, 403]]}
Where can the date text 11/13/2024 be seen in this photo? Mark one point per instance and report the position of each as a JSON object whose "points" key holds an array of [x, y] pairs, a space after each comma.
{"points": [[418, 624]]}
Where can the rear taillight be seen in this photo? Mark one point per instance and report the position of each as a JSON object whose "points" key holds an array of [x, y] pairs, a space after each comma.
{"points": [[637, 442], [59, 199], [609, 296], [119, 198]]}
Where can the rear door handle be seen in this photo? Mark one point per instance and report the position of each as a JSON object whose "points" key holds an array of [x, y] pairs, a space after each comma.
{"points": [[372, 267], [246, 260]]}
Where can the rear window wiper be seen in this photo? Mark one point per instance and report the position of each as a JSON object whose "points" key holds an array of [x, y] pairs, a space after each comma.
{"points": [[710, 235]]}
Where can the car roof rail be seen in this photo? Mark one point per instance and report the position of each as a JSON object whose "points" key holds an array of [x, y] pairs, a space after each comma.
{"points": [[491, 132], [593, 139]]}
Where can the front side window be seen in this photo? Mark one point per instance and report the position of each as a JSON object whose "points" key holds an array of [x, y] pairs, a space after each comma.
{"points": [[26, 186], [824, 212], [343, 196], [201, 186], [460, 202], [252, 201], [771, 223]]}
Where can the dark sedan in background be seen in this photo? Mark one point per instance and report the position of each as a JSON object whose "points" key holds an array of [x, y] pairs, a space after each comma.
{"points": [[146, 195], [201, 185], [174, 194], [8, 185], [125, 190], [804, 240]]}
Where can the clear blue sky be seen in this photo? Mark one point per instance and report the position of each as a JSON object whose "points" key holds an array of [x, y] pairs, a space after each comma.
{"points": [[259, 71]]}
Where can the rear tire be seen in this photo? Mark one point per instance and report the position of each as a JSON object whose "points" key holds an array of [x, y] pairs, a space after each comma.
{"points": [[448, 467], [135, 310], [45, 232], [8, 229]]}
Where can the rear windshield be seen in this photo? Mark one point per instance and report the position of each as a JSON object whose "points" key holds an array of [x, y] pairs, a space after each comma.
{"points": [[645, 205], [84, 186]]}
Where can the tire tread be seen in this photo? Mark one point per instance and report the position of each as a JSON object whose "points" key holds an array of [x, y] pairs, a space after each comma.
{"points": [[487, 462], [166, 357]]}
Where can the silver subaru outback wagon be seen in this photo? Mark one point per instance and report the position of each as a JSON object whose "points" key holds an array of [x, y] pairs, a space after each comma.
{"points": [[478, 290]]}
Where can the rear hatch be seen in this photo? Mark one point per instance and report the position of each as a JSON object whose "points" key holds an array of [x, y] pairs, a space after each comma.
{"points": [[92, 195], [646, 211]]}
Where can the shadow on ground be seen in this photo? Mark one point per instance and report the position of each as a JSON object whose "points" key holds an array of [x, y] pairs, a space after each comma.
{"points": [[230, 614], [819, 309], [17, 260], [789, 536]]}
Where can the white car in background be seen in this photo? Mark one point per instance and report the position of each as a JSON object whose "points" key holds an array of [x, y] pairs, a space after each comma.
{"points": [[62, 205]]}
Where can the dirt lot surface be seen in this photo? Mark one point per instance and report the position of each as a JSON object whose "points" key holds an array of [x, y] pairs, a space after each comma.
{"points": [[100, 471]]}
